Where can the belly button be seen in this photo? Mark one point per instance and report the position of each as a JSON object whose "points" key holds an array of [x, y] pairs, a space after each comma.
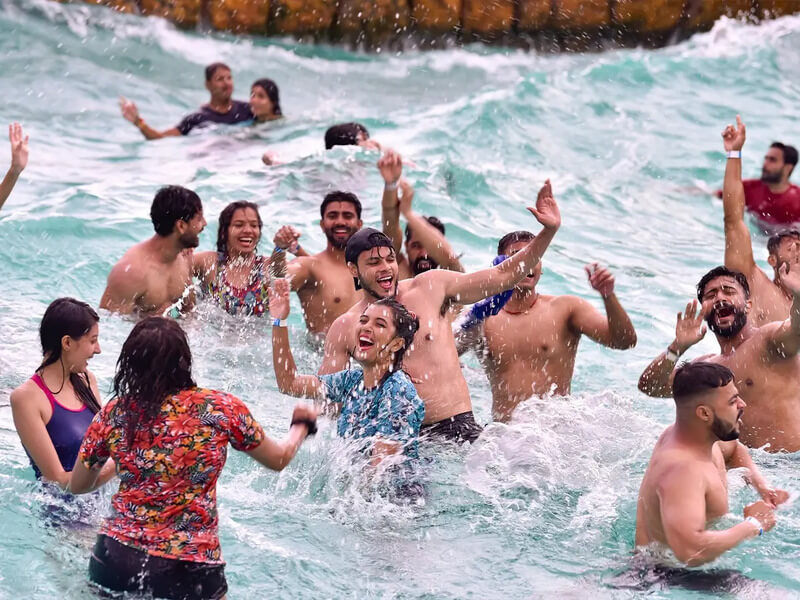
{"points": [[336, 300], [428, 337]]}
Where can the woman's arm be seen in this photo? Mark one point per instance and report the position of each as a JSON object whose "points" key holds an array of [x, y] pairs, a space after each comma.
{"points": [[276, 455]]}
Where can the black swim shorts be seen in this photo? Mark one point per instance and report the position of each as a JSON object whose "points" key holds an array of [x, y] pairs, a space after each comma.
{"points": [[458, 428], [120, 568]]}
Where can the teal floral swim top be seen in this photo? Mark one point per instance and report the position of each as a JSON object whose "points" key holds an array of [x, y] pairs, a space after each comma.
{"points": [[250, 300]]}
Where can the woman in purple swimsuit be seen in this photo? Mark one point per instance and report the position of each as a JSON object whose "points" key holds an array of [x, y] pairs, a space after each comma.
{"points": [[53, 409]]}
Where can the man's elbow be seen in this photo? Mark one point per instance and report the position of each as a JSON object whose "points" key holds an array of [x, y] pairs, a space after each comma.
{"points": [[627, 341]]}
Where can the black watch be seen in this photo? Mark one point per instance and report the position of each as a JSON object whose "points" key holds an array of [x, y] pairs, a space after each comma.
{"points": [[310, 423]]}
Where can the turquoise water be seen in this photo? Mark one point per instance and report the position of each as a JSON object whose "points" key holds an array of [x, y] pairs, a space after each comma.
{"points": [[543, 508]]}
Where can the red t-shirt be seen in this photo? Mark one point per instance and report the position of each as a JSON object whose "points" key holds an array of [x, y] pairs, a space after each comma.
{"points": [[777, 209]]}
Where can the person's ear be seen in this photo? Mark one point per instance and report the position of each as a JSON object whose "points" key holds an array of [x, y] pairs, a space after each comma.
{"points": [[772, 260], [395, 345], [66, 343], [353, 270], [181, 226], [208, 86], [748, 305], [704, 413]]}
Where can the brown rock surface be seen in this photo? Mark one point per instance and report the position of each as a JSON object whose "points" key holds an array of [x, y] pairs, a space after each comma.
{"points": [[581, 14], [534, 14], [184, 13], [240, 16], [487, 16], [300, 16], [436, 15], [648, 15], [372, 15]]}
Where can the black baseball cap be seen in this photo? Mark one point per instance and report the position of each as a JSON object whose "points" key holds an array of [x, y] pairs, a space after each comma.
{"points": [[365, 239]]}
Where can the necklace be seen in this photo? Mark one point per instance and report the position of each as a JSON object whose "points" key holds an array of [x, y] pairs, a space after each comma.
{"points": [[512, 312]]}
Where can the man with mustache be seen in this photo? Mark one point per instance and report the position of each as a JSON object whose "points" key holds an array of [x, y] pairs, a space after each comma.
{"points": [[322, 281], [764, 360], [426, 247], [685, 486], [432, 361], [156, 275], [771, 299], [529, 347]]}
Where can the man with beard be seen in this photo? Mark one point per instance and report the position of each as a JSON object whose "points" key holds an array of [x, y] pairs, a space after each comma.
{"points": [[221, 108], [529, 347], [764, 360], [323, 281], [685, 485], [155, 275], [432, 361], [771, 299], [425, 244]]}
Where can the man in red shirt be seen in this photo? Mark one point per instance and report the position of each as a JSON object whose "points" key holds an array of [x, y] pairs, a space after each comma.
{"points": [[772, 198]]}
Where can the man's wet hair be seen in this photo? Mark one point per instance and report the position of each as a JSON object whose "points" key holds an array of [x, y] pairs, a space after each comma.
{"points": [[344, 134], [774, 242], [789, 153], [698, 377], [432, 220], [271, 90], [173, 203], [722, 272], [340, 197], [513, 238], [213, 68]]}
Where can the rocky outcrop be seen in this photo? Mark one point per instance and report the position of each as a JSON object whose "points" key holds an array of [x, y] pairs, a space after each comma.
{"points": [[544, 24]]}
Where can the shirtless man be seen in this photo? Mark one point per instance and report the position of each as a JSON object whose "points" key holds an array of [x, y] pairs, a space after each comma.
{"points": [[764, 360], [529, 348], [156, 275], [221, 108], [19, 160], [426, 247], [685, 486], [322, 281], [771, 299], [432, 361]]}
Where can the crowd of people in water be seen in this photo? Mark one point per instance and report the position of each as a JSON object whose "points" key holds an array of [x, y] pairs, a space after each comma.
{"points": [[399, 305]]}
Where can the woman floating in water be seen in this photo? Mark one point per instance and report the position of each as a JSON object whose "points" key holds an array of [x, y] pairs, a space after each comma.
{"points": [[265, 102], [169, 441], [377, 401], [53, 409], [236, 276]]}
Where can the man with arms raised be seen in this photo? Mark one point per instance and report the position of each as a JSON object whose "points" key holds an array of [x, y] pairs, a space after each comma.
{"points": [[426, 247], [771, 299], [322, 281], [156, 275], [221, 108], [764, 360], [685, 485], [432, 361], [529, 347]]}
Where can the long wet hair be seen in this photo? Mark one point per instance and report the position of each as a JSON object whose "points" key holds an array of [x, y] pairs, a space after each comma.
{"points": [[406, 325], [271, 88], [155, 362], [67, 316], [225, 218]]}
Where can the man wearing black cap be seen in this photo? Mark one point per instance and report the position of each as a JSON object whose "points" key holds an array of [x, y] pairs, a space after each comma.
{"points": [[432, 361]]}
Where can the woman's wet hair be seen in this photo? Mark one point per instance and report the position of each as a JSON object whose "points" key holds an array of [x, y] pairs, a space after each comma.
{"points": [[406, 325], [155, 362], [67, 316], [173, 203], [225, 219], [271, 89], [698, 377], [344, 134]]}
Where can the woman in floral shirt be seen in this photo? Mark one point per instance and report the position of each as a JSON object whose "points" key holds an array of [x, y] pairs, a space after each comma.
{"points": [[169, 441]]}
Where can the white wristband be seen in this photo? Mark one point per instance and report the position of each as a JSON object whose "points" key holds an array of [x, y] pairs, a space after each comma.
{"points": [[734, 154], [390, 187], [671, 356], [279, 322], [757, 523]]}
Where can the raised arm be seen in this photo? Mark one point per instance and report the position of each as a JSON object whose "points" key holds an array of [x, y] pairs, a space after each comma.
{"points": [[615, 329], [683, 515], [656, 380], [390, 166], [784, 340], [19, 160], [738, 245], [432, 240], [468, 288], [285, 240], [289, 382], [131, 113]]}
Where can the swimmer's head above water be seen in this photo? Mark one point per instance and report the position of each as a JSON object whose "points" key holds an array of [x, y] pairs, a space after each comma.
{"points": [[417, 254], [509, 245], [265, 102], [239, 230], [783, 247], [340, 214], [725, 298], [371, 258], [178, 211], [385, 331], [707, 399], [349, 134], [219, 82], [779, 163]]}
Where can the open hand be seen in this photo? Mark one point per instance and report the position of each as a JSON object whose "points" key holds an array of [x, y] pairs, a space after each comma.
{"points": [[762, 511], [19, 148], [279, 299], [733, 137], [689, 328], [774, 496], [129, 110], [546, 210], [390, 166], [286, 238], [600, 279]]}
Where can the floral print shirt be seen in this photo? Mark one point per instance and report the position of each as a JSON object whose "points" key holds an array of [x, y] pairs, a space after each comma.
{"points": [[167, 499], [393, 410]]}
